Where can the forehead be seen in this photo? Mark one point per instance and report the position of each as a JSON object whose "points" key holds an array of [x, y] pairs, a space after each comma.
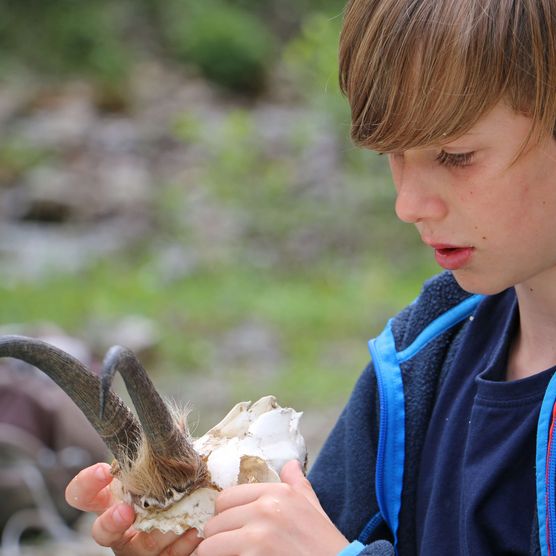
{"points": [[500, 121]]}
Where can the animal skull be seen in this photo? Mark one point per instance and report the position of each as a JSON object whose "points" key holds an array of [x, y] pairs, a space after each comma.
{"points": [[170, 479]]}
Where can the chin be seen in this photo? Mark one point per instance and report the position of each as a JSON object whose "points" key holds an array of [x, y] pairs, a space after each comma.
{"points": [[476, 284]]}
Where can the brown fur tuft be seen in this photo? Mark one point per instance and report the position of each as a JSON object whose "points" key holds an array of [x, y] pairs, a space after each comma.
{"points": [[153, 476]]}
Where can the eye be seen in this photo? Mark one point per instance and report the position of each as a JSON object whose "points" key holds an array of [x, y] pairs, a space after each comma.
{"points": [[455, 159]]}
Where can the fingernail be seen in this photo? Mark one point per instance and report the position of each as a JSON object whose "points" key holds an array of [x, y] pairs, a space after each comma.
{"points": [[120, 514], [298, 465], [101, 473]]}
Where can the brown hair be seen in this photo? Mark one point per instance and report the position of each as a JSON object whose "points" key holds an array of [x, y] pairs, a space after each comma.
{"points": [[417, 72]]}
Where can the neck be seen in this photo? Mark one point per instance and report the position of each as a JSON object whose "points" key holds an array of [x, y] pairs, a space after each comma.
{"points": [[534, 348]]}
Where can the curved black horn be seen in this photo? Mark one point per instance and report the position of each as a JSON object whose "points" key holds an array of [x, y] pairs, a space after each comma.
{"points": [[118, 427], [163, 435]]}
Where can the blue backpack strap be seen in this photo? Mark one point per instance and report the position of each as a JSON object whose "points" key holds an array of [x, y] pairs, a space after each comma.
{"points": [[546, 470], [391, 438]]}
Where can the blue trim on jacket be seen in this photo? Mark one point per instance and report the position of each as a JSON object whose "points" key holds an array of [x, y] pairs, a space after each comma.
{"points": [[391, 443], [391, 438], [546, 471]]}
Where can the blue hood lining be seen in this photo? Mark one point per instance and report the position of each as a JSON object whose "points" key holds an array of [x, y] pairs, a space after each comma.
{"points": [[391, 442]]}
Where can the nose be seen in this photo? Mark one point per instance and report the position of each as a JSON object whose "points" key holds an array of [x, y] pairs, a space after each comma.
{"points": [[418, 199]]}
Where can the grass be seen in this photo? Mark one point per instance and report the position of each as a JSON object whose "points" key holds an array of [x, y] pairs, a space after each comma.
{"points": [[320, 318]]}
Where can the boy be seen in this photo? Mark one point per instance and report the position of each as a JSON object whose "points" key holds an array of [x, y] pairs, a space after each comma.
{"points": [[445, 445]]}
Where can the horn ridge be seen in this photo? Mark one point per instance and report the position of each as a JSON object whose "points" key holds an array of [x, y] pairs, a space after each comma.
{"points": [[163, 435], [118, 427]]}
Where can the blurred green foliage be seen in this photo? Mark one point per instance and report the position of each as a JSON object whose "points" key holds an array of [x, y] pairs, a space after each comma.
{"points": [[312, 59], [232, 42], [16, 157], [227, 44], [64, 36]]}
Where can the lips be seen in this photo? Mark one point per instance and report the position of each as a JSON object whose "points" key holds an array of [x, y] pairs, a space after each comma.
{"points": [[452, 257]]}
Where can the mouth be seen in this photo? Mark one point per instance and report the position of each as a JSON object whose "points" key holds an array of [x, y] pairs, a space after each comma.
{"points": [[452, 257]]}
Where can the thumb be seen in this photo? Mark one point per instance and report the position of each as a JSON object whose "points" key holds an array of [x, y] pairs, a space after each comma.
{"points": [[293, 475]]}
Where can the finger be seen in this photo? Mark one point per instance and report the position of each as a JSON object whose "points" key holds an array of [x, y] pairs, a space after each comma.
{"points": [[293, 475], [244, 494], [247, 540], [229, 520], [113, 529], [223, 544], [133, 543], [292, 472], [110, 528], [87, 490], [292, 479], [184, 545]]}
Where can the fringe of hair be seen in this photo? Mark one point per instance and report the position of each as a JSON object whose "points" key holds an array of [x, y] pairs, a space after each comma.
{"points": [[421, 72]]}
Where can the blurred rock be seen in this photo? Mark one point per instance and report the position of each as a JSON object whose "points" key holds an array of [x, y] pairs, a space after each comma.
{"points": [[53, 334], [47, 194], [97, 189], [58, 118], [173, 261], [135, 332], [253, 347], [34, 251]]}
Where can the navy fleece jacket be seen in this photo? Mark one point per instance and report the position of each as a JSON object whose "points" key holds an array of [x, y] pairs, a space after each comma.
{"points": [[343, 475]]}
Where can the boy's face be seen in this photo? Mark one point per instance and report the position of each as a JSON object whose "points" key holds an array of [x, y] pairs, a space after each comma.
{"points": [[490, 222]]}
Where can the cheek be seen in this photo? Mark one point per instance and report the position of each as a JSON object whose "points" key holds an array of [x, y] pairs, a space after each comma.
{"points": [[534, 200], [493, 207], [520, 211], [521, 204]]}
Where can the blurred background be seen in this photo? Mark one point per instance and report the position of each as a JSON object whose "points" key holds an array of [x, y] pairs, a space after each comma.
{"points": [[177, 176]]}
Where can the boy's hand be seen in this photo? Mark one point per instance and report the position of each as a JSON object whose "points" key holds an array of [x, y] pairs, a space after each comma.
{"points": [[271, 519], [90, 491]]}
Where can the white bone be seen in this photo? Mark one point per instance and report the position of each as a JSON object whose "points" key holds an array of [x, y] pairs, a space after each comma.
{"points": [[251, 444]]}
